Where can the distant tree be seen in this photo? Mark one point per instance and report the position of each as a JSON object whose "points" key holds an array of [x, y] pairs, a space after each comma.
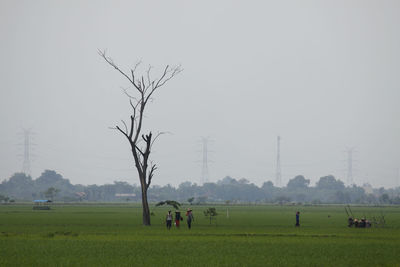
{"points": [[354, 194], [201, 200], [396, 200], [384, 199], [185, 185], [330, 183], [370, 198], [300, 197], [19, 185], [298, 182], [144, 86], [342, 197], [4, 199], [268, 185], [211, 213], [228, 180], [381, 190], [282, 199], [51, 193], [190, 200], [50, 178], [244, 181], [316, 201]]}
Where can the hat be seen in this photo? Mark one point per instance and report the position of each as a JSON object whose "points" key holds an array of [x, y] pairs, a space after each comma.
{"points": [[189, 209]]}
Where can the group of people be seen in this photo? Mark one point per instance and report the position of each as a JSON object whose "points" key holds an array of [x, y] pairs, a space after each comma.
{"points": [[179, 218], [362, 223]]}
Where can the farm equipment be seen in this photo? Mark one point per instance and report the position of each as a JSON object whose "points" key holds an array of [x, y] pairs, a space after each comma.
{"points": [[376, 221]]}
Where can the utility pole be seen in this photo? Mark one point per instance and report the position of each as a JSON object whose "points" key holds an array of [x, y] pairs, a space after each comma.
{"points": [[278, 180], [349, 173], [204, 169], [26, 165]]}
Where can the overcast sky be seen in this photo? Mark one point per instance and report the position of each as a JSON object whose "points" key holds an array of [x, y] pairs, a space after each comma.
{"points": [[324, 75]]}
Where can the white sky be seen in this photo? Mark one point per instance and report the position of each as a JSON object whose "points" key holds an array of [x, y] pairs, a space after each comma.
{"points": [[325, 75]]}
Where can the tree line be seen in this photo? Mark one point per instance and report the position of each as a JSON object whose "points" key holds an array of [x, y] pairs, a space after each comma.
{"points": [[51, 185]]}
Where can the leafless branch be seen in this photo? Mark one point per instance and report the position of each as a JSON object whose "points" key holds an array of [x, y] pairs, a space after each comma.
{"points": [[126, 127], [128, 94], [151, 173], [136, 66], [167, 75], [148, 76], [119, 129], [156, 137], [111, 62], [141, 152]]}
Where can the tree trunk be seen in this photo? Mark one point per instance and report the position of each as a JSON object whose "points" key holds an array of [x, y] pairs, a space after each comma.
{"points": [[146, 209]]}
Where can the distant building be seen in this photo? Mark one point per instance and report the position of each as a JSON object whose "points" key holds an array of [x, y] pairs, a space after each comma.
{"points": [[368, 188], [80, 194], [125, 195]]}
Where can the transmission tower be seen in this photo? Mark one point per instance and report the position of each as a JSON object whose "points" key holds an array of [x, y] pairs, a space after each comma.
{"points": [[278, 164], [204, 169], [349, 173], [26, 165]]}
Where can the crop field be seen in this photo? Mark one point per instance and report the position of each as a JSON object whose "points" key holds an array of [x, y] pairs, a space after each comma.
{"points": [[112, 235]]}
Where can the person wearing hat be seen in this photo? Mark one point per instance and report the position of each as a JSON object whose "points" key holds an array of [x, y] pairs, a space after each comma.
{"points": [[190, 218], [178, 218]]}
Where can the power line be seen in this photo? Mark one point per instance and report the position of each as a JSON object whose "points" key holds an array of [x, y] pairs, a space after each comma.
{"points": [[26, 164], [349, 172], [278, 178], [398, 177], [204, 170]]}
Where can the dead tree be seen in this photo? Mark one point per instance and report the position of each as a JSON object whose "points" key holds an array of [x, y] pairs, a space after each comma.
{"points": [[141, 144]]}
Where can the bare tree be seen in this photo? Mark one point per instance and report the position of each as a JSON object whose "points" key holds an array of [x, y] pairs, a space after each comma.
{"points": [[144, 87]]}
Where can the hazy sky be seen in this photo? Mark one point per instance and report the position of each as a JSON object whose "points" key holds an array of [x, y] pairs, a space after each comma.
{"points": [[325, 75]]}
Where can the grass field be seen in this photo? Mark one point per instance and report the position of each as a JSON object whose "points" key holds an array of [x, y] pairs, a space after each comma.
{"points": [[112, 235]]}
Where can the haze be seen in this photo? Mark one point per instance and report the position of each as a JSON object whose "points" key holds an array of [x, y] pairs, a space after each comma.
{"points": [[324, 75]]}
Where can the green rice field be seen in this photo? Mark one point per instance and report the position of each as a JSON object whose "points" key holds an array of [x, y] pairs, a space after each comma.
{"points": [[261, 235]]}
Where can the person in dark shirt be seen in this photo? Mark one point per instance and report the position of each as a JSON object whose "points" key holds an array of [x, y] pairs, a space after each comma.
{"points": [[190, 218], [298, 218], [350, 222], [177, 218]]}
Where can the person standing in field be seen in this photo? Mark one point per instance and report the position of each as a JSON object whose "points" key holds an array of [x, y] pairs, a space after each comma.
{"points": [[177, 218], [169, 220], [190, 218], [298, 218]]}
